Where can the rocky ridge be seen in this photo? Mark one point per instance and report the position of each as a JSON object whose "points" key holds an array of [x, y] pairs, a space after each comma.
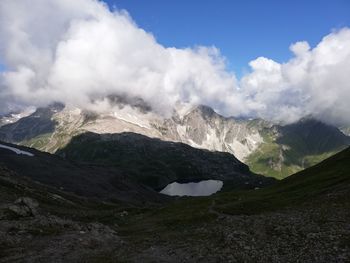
{"points": [[267, 148]]}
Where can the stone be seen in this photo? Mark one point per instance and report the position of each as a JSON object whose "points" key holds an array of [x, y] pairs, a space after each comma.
{"points": [[24, 207]]}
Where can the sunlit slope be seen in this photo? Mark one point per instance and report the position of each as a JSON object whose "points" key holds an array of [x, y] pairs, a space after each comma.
{"points": [[297, 146]]}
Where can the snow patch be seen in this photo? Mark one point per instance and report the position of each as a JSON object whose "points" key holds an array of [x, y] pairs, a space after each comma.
{"points": [[17, 151], [14, 117], [134, 116]]}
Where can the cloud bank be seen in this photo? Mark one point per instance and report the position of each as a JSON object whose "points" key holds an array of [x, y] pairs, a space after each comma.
{"points": [[79, 52]]}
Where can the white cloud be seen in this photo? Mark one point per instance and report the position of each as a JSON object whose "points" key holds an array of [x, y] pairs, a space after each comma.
{"points": [[314, 82], [78, 52]]}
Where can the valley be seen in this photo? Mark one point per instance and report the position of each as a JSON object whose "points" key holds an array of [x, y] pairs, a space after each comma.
{"points": [[174, 131], [116, 197], [304, 217]]}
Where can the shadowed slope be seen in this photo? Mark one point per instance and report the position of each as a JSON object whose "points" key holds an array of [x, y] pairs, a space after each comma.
{"points": [[156, 163], [104, 183]]}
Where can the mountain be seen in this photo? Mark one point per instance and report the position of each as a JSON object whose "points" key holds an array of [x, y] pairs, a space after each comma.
{"points": [[12, 117], [294, 147], [269, 149], [29, 127], [310, 137], [198, 126], [113, 165], [156, 163], [328, 181]]}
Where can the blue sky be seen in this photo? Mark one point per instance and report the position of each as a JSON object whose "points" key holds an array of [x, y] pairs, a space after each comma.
{"points": [[242, 30]]}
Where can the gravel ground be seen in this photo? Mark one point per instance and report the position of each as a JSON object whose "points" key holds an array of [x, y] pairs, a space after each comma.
{"points": [[308, 233]]}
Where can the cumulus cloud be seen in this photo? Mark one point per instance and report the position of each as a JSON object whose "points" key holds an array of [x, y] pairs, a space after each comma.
{"points": [[79, 52], [314, 82]]}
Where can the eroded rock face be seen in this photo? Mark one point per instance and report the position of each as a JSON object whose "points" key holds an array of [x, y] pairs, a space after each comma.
{"points": [[24, 207], [198, 126]]}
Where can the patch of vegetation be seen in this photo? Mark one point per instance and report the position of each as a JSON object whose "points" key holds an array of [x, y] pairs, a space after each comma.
{"points": [[280, 161], [39, 142]]}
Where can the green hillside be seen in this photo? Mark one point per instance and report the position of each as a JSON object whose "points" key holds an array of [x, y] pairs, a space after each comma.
{"points": [[294, 147], [331, 175]]}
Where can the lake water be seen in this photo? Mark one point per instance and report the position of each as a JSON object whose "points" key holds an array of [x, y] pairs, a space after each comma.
{"points": [[202, 188]]}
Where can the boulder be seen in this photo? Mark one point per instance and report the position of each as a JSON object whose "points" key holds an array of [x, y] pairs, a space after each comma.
{"points": [[24, 207]]}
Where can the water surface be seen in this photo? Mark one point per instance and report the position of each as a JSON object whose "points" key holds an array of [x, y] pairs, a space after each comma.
{"points": [[202, 188]]}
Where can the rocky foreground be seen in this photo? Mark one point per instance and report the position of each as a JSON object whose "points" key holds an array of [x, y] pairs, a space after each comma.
{"points": [[307, 234]]}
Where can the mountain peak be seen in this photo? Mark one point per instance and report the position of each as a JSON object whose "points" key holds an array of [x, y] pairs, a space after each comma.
{"points": [[312, 136]]}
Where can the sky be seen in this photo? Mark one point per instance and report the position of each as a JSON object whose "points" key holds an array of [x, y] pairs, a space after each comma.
{"points": [[256, 59], [242, 30]]}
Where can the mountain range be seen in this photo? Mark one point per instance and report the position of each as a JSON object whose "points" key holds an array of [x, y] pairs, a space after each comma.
{"points": [[269, 149]]}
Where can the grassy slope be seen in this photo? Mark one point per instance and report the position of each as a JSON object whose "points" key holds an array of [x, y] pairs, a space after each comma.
{"points": [[39, 142], [333, 174], [272, 159], [269, 152]]}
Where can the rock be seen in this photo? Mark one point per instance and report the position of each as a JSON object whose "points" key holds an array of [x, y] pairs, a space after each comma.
{"points": [[124, 213], [24, 207]]}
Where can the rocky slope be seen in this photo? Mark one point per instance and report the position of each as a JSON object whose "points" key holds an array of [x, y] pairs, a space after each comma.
{"points": [[268, 149], [46, 224], [198, 126]]}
